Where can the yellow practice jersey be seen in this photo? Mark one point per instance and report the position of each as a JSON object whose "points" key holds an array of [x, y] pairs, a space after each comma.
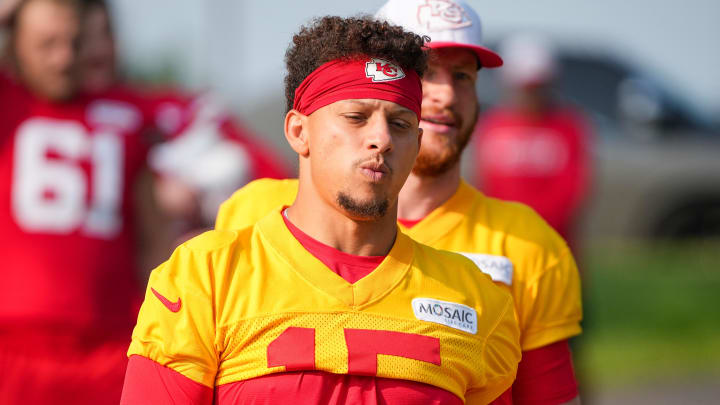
{"points": [[229, 306], [507, 240]]}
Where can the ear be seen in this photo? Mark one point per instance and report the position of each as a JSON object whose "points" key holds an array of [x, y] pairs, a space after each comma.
{"points": [[296, 133]]}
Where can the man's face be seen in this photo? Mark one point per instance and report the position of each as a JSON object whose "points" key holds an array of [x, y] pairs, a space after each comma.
{"points": [[97, 51], [360, 154], [449, 109], [45, 48]]}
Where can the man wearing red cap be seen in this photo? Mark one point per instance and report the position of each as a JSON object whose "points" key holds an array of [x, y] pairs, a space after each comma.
{"points": [[325, 301], [508, 241]]}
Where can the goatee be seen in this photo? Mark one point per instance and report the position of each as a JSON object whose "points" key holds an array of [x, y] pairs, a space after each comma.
{"points": [[431, 163], [373, 209]]}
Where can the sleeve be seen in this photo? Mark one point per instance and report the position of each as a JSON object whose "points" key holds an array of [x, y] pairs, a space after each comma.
{"points": [[224, 216], [505, 398], [551, 303], [500, 358], [176, 324], [545, 376], [147, 382]]}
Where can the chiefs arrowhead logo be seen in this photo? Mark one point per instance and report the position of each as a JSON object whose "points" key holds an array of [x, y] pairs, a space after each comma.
{"points": [[438, 15], [380, 70]]}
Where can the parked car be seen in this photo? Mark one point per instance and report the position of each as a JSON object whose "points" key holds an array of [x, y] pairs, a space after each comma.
{"points": [[657, 172]]}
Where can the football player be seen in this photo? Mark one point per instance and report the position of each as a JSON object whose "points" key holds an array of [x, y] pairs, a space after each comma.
{"points": [[325, 301], [69, 166], [509, 241]]}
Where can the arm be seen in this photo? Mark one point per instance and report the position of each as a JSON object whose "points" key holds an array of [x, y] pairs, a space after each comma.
{"points": [[173, 343], [546, 376], [147, 382], [550, 310]]}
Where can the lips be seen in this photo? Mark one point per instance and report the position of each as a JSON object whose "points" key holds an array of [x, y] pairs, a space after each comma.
{"points": [[438, 123], [439, 120], [375, 171]]}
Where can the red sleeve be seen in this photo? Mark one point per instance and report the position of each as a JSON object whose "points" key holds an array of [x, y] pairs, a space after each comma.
{"points": [[147, 382], [504, 399], [545, 376]]}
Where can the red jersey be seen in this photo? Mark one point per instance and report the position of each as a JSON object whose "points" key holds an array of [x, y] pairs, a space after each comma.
{"points": [[540, 161], [66, 221]]}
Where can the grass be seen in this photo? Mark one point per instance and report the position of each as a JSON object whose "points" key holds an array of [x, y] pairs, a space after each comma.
{"points": [[652, 312]]}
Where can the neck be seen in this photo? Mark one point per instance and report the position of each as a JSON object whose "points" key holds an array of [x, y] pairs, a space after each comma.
{"points": [[325, 222], [534, 105], [421, 194]]}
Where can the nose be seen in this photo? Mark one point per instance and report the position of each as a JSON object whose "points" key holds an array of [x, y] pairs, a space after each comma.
{"points": [[379, 138], [64, 54], [439, 91]]}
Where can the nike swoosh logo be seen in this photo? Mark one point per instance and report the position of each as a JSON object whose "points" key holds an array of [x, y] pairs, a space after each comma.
{"points": [[172, 306]]}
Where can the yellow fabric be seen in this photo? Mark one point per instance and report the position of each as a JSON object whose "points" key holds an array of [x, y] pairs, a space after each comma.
{"points": [[545, 284], [240, 290], [255, 200]]}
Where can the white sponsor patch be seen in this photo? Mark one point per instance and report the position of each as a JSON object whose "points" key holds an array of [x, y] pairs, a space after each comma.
{"points": [[381, 70], [499, 268], [454, 315]]}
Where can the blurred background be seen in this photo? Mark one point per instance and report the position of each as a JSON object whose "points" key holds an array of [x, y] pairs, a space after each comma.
{"points": [[645, 77]]}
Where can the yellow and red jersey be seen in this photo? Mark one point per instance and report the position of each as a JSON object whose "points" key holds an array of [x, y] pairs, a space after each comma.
{"points": [[231, 306], [507, 240]]}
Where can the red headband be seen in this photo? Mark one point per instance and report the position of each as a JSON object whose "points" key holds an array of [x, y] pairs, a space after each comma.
{"points": [[360, 78]]}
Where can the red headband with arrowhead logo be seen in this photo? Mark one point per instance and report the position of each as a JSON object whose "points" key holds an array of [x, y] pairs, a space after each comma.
{"points": [[359, 78]]}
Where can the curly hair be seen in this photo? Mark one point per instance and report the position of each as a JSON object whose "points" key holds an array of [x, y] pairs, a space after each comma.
{"points": [[329, 38]]}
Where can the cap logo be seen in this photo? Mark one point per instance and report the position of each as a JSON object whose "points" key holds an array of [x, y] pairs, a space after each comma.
{"points": [[380, 70], [438, 15]]}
